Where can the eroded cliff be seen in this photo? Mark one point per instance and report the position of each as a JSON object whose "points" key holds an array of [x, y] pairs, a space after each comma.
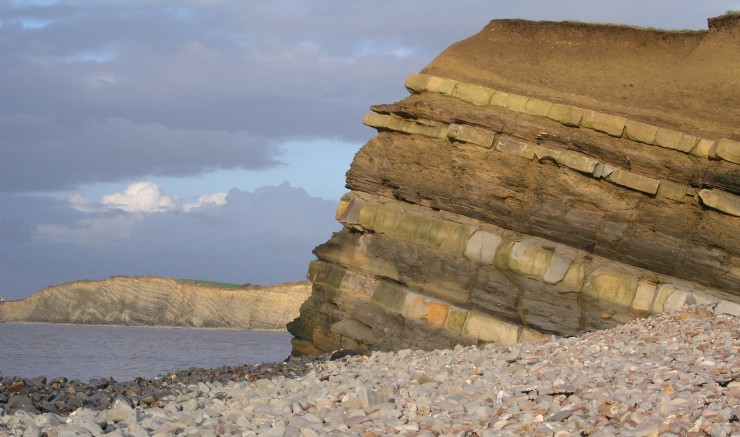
{"points": [[542, 178], [158, 301]]}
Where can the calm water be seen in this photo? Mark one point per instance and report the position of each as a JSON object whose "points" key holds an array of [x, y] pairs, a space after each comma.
{"points": [[83, 352]]}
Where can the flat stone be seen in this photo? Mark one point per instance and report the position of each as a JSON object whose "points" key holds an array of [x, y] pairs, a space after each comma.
{"points": [[610, 124], [543, 153], [687, 143], [456, 320], [612, 286], [672, 190], [46, 420], [559, 266], [565, 114], [441, 85], [642, 132], [342, 207], [499, 98], [452, 237], [326, 273], [20, 402], [559, 417], [727, 307], [121, 411], [474, 94], [537, 107], [516, 102], [672, 139], [578, 161], [528, 258], [721, 201], [576, 276], [644, 296], [602, 170], [390, 296], [482, 247], [376, 120], [702, 147], [367, 215], [488, 328], [418, 127], [515, 147], [728, 150], [417, 307], [663, 293], [528, 335], [471, 134], [676, 300], [634, 181], [370, 398], [416, 83]]}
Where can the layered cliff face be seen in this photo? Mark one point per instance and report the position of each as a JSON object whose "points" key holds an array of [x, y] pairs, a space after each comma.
{"points": [[157, 301], [541, 178]]}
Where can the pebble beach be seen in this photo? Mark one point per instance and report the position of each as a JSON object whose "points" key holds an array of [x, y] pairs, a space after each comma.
{"points": [[670, 374]]}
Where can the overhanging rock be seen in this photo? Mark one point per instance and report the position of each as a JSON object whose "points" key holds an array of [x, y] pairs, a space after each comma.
{"points": [[541, 178]]}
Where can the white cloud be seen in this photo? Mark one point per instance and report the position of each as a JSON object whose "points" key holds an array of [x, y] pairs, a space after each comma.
{"points": [[82, 203], [140, 197], [217, 199], [116, 216], [143, 198]]}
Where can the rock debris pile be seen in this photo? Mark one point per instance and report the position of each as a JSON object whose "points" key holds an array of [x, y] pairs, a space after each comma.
{"points": [[671, 374]]}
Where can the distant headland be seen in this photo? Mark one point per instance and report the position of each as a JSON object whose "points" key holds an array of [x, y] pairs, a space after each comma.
{"points": [[160, 301]]}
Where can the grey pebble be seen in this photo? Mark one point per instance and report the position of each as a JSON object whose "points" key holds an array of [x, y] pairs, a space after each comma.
{"points": [[666, 375]]}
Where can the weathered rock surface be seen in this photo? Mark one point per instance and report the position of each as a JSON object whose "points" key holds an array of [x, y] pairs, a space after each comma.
{"points": [[158, 301], [541, 178]]}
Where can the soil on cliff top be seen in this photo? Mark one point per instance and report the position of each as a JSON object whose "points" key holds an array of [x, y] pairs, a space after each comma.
{"points": [[688, 80]]}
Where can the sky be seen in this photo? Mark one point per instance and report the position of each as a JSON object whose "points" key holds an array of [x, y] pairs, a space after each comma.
{"points": [[208, 139]]}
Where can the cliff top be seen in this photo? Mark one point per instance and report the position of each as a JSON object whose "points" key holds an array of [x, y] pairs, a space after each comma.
{"points": [[687, 80]]}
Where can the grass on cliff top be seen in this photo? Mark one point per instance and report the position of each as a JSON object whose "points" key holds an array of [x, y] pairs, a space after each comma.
{"points": [[223, 285]]}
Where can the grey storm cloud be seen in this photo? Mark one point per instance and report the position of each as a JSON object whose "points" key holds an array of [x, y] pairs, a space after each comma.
{"points": [[41, 153], [242, 76], [120, 90]]}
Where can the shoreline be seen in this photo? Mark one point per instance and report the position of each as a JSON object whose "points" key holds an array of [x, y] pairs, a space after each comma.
{"points": [[672, 373], [144, 326]]}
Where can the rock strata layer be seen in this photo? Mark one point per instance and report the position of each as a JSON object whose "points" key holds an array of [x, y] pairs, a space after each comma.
{"points": [[158, 301], [541, 178]]}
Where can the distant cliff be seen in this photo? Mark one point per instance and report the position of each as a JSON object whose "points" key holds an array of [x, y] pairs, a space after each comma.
{"points": [[158, 301], [541, 178]]}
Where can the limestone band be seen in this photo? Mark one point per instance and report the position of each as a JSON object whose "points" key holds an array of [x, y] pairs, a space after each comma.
{"points": [[501, 202]]}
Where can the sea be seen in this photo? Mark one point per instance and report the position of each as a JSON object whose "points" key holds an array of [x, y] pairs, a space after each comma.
{"points": [[84, 352]]}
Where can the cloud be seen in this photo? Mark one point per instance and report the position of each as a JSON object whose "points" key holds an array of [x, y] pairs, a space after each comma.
{"points": [[120, 91], [263, 237], [217, 199], [99, 231], [115, 216], [114, 91], [141, 197], [43, 153]]}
